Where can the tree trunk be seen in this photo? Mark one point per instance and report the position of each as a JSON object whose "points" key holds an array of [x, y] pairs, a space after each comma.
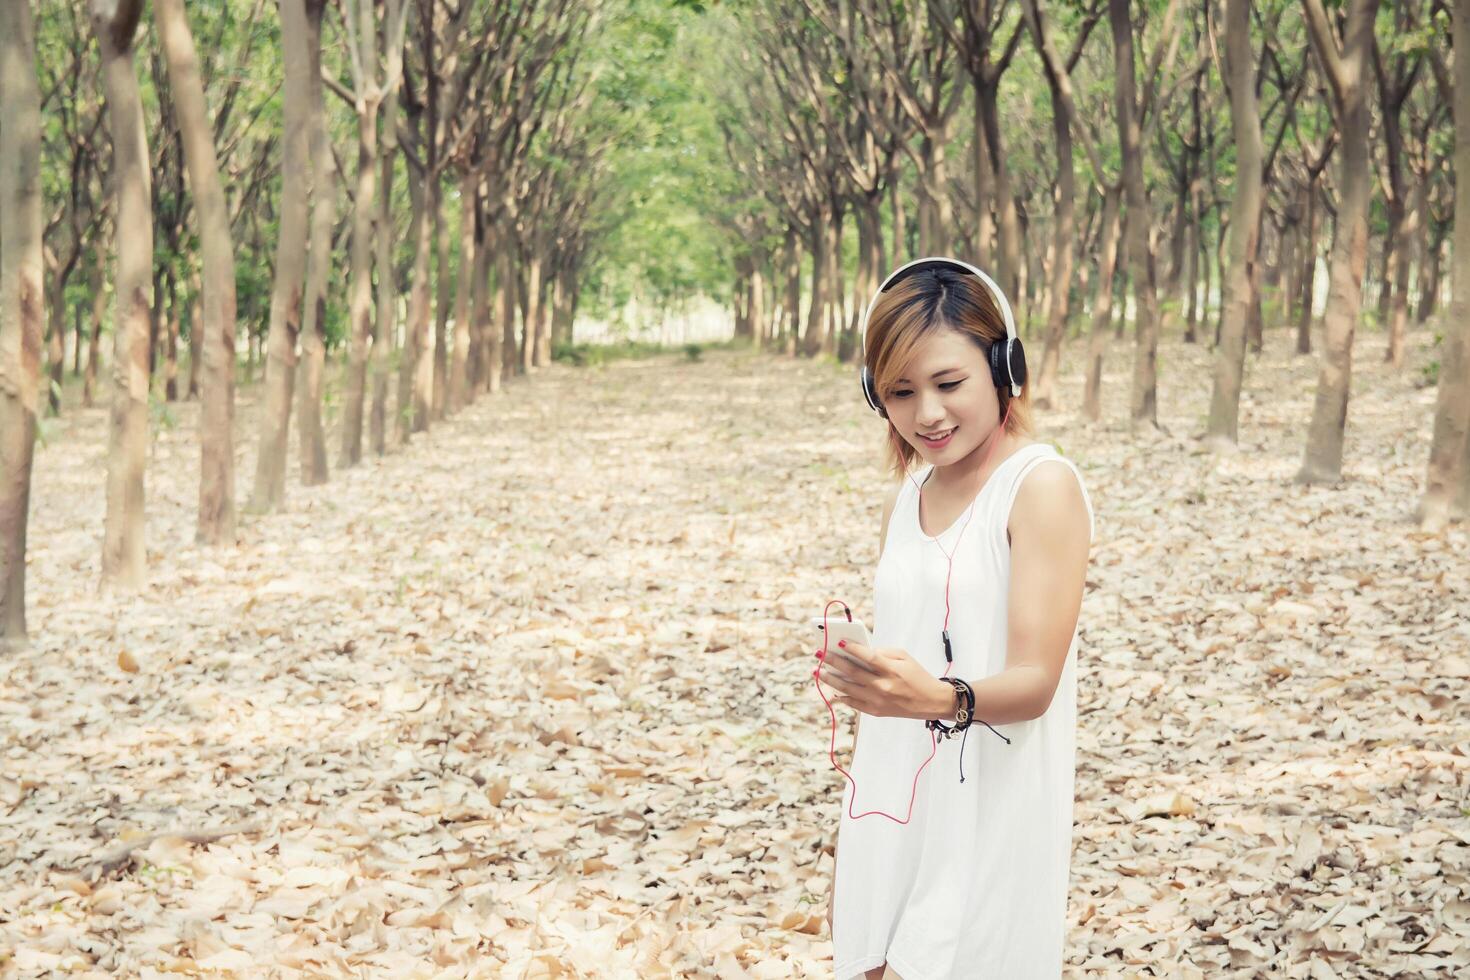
{"points": [[286, 295], [531, 308], [416, 365], [439, 384], [55, 341], [1102, 304], [1245, 223], [1308, 277], [123, 557], [456, 395], [1322, 460], [484, 349], [984, 217], [1009, 220], [792, 315], [1043, 396], [313, 441], [543, 308], [360, 290], [385, 327], [902, 251], [21, 301], [757, 306], [494, 346], [1145, 365], [215, 324], [505, 269], [816, 320], [1398, 304], [96, 286], [1429, 278], [1448, 483], [169, 303]]}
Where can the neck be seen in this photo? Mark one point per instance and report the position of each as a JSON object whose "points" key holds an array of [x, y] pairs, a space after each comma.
{"points": [[976, 465]]}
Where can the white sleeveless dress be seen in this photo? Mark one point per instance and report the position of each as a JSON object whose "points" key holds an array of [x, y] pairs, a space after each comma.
{"points": [[974, 886]]}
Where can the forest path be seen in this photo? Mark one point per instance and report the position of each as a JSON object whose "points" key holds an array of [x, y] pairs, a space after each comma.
{"points": [[532, 695]]}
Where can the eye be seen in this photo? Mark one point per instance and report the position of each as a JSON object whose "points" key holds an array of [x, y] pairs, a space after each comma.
{"points": [[946, 386], [951, 385]]}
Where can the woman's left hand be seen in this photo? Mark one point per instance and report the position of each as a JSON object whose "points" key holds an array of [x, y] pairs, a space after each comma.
{"points": [[894, 685]]}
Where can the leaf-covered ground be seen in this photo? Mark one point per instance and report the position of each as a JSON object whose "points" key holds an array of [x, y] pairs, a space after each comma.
{"points": [[532, 696]]}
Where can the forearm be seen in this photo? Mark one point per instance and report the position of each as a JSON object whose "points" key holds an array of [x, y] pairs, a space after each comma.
{"points": [[1015, 694], [1018, 693]]}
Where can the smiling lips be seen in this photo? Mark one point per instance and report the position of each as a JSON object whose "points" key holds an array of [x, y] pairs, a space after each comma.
{"points": [[940, 440]]}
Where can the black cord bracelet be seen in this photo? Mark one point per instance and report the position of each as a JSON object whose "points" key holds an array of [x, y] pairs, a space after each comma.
{"points": [[964, 717]]}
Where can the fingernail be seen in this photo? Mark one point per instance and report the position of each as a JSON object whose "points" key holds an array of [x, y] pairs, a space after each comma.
{"points": [[842, 643], [821, 655]]}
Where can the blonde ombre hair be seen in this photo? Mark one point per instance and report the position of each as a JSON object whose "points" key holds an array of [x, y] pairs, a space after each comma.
{"points": [[918, 306]]}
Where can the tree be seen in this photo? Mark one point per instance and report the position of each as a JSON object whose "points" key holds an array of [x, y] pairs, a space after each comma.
{"points": [[371, 85], [216, 418], [1245, 223], [1132, 112], [115, 22], [286, 296], [1447, 489], [20, 302], [313, 443], [1343, 62]]}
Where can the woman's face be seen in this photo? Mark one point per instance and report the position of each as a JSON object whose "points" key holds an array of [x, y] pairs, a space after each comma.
{"points": [[945, 390]]}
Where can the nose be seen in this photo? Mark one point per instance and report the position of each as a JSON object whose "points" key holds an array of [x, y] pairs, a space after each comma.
{"points": [[931, 410]]}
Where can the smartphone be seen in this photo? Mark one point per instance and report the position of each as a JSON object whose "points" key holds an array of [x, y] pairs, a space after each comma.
{"points": [[841, 629]]}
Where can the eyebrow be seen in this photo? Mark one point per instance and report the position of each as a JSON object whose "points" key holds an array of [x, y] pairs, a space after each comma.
{"points": [[937, 374]]}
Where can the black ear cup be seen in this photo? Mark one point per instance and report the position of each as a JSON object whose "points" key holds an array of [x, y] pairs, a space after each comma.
{"points": [[870, 392], [1002, 374]]}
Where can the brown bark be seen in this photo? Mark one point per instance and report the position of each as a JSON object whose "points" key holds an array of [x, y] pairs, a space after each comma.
{"points": [[1043, 395], [363, 34], [530, 300], [816, 322], [442, 282], [1245, 223], [386, 324], [1448, 485], [791, 315], [506, 280], [1345, 67], [312, 442], [1145, 367], [482, 349], [123, 557], [1307, 278], [21, 313], [458, 390], [94, 342], [1102, 303], [1009, 220], [1429, 279], [416, 365], [286, 296]]}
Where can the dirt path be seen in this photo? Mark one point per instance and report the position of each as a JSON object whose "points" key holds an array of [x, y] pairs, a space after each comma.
{"points": [[530, 697]]}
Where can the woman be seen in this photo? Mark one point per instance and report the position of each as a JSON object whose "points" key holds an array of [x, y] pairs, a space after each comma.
{"points": [[983, 556]]}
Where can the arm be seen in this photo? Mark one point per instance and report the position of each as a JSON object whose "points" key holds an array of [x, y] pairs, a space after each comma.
{"points": [[1050, 541]]}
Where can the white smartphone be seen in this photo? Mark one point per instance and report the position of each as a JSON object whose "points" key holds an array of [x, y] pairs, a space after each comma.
{"points": [[841, 629]]}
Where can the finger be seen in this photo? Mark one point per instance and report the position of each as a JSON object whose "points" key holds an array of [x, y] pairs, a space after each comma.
{"points": [[861, 653], [839, 685]]}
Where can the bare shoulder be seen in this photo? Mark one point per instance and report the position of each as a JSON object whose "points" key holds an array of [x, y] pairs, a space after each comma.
{"points": [[1050, 507]]}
